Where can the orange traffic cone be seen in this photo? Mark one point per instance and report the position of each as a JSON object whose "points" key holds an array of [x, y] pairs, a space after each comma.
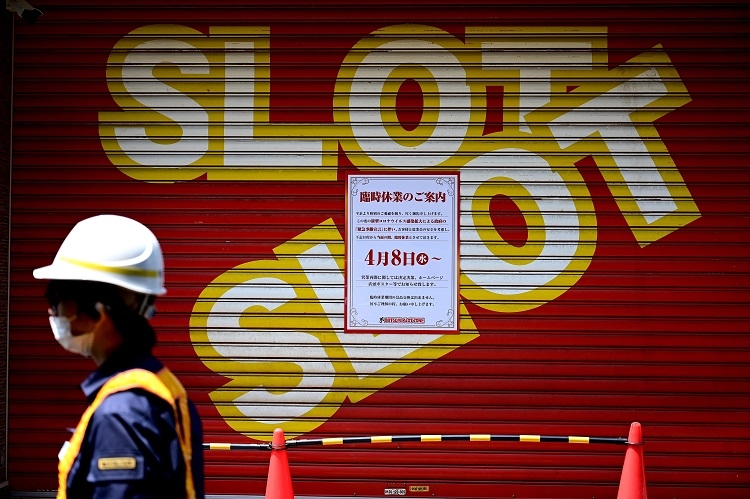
{"points": [[279, 484], [633, 479]]}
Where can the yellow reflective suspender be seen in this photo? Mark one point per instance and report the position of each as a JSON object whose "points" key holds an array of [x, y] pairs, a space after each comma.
{"points": [[182, 424], [164, 385]]}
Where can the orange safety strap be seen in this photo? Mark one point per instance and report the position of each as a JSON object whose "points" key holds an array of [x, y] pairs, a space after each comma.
{"points": [[164, 385]]}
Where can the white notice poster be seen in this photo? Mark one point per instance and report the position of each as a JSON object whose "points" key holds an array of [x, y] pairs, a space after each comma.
{"points": [[402, 260]]}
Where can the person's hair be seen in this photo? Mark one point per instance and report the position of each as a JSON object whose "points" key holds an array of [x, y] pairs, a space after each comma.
{"points": [[123, 306]]}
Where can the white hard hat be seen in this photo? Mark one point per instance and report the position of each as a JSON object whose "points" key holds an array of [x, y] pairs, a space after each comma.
{"points": [[111, 249]]}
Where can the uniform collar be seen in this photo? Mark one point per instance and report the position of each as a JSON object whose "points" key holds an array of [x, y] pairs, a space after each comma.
{"points": [[117, 363]]}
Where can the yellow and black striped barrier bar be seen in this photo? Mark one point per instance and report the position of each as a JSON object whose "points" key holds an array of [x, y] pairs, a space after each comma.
{"points": [[424, 438], [219, 446]]}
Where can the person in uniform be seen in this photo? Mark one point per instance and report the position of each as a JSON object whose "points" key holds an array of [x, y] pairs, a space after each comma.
{"points": [[141, 436]]}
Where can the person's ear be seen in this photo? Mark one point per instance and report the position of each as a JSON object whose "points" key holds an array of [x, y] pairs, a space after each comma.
{"points": [[101, 310]]}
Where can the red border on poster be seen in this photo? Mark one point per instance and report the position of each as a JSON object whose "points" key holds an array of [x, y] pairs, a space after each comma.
{"points": [[407, 250]]}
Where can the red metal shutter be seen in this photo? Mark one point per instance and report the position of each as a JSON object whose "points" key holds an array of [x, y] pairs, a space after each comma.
{"points": [[604, 233], [6, 56]]}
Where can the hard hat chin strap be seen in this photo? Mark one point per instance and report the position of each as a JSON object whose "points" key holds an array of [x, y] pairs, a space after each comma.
{"points": [[141, 304], [147, 309]]}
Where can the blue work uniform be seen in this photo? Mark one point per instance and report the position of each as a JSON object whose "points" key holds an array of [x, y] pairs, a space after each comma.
{"points": [[131, 447]]}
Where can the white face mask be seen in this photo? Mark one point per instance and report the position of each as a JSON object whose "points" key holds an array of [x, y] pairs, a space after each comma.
{"points": [[81, 344]]}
